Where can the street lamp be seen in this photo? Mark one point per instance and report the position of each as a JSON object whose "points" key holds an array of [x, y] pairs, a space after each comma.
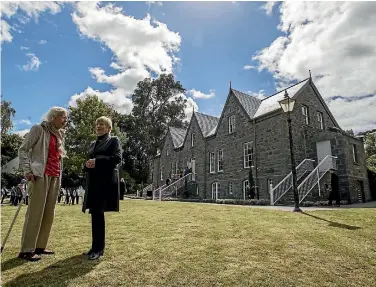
{"points": [[287, 105]]}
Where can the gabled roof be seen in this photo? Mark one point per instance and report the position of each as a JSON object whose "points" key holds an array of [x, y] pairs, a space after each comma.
{"points": [[271, 103], [206, 123], [249, 103], [177, 136]]}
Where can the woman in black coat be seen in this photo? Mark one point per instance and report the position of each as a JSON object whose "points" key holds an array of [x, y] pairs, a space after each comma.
{"points": [[102, 194]]}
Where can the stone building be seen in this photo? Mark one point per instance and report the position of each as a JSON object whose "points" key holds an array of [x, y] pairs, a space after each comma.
{"points": [[253, 133]]}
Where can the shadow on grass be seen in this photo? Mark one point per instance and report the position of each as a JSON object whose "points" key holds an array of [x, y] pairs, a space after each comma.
{"points": [[12, 263], [334, 224], [57, 275]]}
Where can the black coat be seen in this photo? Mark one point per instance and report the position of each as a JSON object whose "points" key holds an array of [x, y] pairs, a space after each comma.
{"points": [[101, 192], [334, 183]]}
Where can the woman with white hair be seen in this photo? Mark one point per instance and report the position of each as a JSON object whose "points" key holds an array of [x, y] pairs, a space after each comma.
{"points": [[40, 158], [102, 193]]}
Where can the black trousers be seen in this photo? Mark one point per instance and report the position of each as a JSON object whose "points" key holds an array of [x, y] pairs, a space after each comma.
{"points": [[97, 231], [334, 196]]}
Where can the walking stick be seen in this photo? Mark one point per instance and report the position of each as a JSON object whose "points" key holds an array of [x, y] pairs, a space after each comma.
{"points": [[11, 225]]}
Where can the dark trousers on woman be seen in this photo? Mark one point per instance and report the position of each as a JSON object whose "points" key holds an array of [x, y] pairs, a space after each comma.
{"points": [[98, 231]]}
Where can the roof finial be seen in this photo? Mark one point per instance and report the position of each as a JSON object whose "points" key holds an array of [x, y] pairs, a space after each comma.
{"points": [[230, 85], [310, 76]]}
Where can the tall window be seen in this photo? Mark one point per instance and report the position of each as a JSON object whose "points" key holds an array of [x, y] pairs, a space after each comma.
{"points": [[355, 153], [212, 162], [305, 114], [248, 154], [162, 172], [177, 167], [220, 160], [230, 187], [320, 120], [172, 167], [214, 188], [245, 185], [231, 124], [192, 140]]}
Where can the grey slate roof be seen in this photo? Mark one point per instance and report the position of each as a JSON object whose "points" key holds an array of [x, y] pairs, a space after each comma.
{"points": [[207, 123], [271, 103], [249, 103], [178, 136]]}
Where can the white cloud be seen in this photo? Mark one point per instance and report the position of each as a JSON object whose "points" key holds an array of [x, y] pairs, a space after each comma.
{"points": [[22, 132], [268, 7], [122, 104], [42, 42], [249, 67], [24, 48], [32, 9], [337, 41], [157, 3], [200, 95], [33, 63], [260, 94], [142, 47], [6, 36], [26, 122]]}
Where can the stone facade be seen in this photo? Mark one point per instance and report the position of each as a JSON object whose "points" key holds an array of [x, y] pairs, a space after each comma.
{"points": [[266, 133]]}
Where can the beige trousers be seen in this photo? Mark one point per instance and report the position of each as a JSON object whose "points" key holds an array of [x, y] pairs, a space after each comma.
{"points": [[40, 212]]}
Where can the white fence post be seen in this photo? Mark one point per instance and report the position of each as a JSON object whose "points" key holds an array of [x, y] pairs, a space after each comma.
{"points": [[271, 194]]}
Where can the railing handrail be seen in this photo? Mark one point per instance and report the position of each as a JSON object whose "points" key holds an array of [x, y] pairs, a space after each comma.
{"points": [[290, 174], [315, 169], [168, 186], [145, 188]]}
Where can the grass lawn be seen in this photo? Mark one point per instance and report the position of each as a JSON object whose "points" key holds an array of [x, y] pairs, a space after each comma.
{"points": [[189, 244]]}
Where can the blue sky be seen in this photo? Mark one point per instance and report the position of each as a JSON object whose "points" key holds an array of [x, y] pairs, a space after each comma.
{"points": [[57, 52]]}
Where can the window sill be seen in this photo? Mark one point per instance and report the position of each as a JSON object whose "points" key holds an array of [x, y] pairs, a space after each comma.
{"points": [[220, 171]]}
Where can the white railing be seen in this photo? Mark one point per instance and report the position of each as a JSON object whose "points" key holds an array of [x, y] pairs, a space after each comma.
{"points": [[157, 191], [146, 189], [315, 176], [172, 189], [307, 165]]}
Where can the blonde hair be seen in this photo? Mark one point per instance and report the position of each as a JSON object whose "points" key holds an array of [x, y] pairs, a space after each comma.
{"points": [[107, 121], [53, 113]]}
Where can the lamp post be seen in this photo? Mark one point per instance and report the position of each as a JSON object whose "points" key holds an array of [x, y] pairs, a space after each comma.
{"points": [[287, 105]]}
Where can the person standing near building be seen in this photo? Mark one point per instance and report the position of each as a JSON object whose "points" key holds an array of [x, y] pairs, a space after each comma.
{"points": [[40, 158], [334, 193]]}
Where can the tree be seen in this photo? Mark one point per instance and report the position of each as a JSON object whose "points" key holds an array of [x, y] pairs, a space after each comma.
{"points": [[158, 103], [9, 142], [370, 142], [7, 112], [80, 131]]}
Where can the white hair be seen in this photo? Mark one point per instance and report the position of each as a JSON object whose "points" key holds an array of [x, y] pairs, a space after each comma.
{"points": [[53, 113]]}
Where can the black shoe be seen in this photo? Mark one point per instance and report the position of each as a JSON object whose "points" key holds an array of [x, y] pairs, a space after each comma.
{"points": [[88, 253], [95, 255], [29, 256], [40, 251]]}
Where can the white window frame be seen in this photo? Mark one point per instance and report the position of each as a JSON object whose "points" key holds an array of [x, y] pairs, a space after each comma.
{"points": [[247, 156], [230, 185], [192, 140], [231, 124], [162, 172], [355, 153], [220, 159], [214, 189], [245, 184], [211, 162], [320, 120], [305, 114]]}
